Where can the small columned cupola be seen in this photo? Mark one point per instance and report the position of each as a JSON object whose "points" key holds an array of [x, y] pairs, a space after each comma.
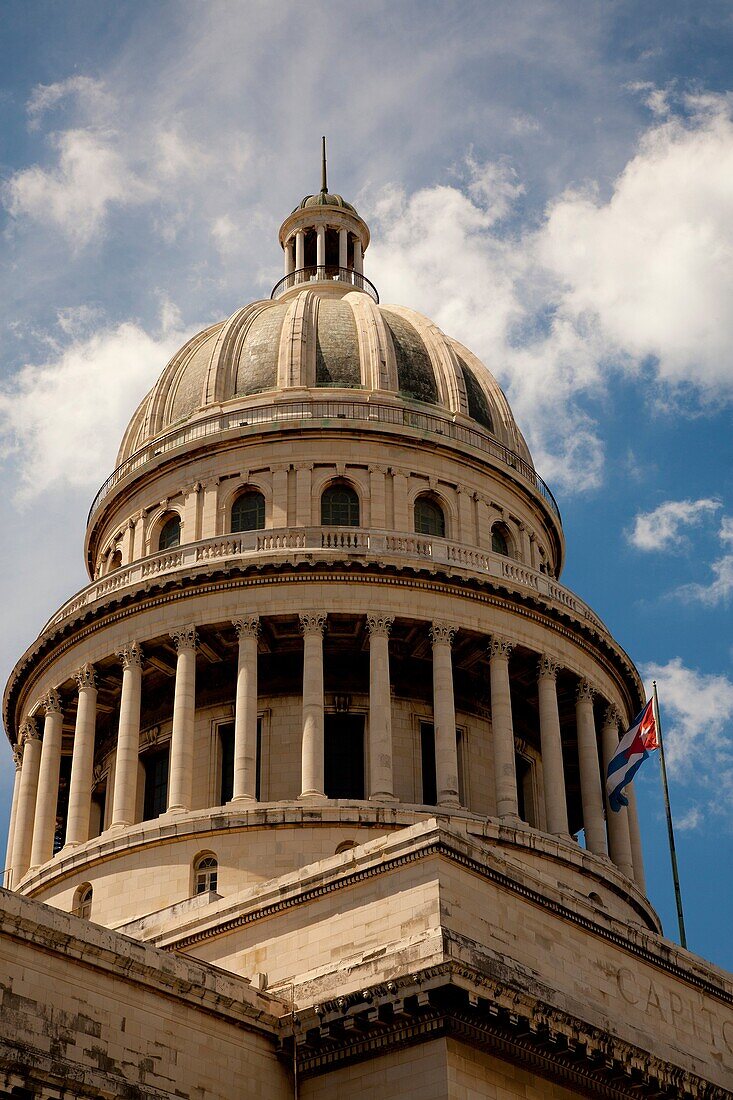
{"points": [[324, 241]]}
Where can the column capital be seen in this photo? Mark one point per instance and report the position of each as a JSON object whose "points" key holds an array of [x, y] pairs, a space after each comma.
{"points": [[611, 717], [248, 627], [312, 622], [130, 656], [51, 702], [547, 667], [185, 638], [442, 633], [29, 731], [500, 648], [585, 691], [17, 759], [379, 624], [86, 677]]}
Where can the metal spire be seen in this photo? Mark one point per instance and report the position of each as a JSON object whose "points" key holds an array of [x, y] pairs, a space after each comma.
{"points": [[324, 184]]}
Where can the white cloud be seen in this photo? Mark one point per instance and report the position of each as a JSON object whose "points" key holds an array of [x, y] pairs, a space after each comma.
{"points": [[90, 95], [61, 420], [696, 710], [91, 175], [720, 588], [661, 529]]}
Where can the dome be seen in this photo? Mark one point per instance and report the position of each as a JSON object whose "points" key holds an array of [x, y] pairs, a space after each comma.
{"points": [[324, 198], [323, 337]]}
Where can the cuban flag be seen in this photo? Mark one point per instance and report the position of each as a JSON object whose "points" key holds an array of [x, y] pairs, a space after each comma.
{"points": [[632, 751]]}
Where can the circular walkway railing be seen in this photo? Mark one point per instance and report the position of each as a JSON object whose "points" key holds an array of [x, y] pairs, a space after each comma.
{"points": [[326, 274]]}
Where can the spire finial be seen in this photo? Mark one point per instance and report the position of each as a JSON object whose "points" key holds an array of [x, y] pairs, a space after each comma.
{"points": [[324, 184]]}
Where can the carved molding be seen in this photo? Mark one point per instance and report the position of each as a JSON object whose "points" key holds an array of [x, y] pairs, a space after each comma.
{"points": [[131, 656], [86, 677], [585, 692], [547, 667], [442, 633], [185, 638], [379, 625], [248, 627], [611, 717], [29, 731], [312, 622], [17, 759], [500, 648], [149, 736], [51, 702]]}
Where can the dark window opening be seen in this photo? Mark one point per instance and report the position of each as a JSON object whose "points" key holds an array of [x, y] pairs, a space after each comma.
{"points": [[99, 806], [344, 756], [170, 534], [499, 541], [339, 507], [525, 790], [226, 740], [427, 757], [156, 784], [248, 512], [62, 805], [429, 517]]}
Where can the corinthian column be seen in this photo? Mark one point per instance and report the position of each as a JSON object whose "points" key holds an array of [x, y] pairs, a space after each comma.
{"points": [[30, 742], [502, 728], [82, 760], [380, 709], [556, 807], [48, 780], [444, 715], [619, 841], [124, 800], [590, 774], [184, 715], [312, 625], [245, 712], [8, 872]]}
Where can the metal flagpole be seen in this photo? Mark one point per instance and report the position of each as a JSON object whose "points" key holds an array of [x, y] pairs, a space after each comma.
{"points": [[670, 830]]}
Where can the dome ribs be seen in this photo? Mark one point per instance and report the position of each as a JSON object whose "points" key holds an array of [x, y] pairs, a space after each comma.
{"points": [[376, 352], [224, 363]]}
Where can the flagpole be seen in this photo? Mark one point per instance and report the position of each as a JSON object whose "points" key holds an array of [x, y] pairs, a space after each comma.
{"points": [[670, 830]]}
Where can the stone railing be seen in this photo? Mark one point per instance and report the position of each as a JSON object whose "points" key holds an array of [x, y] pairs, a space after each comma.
{"points": [[332, 542]]}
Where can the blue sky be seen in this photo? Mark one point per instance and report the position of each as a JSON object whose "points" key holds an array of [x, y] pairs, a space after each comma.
{"points": [[549, 181]]}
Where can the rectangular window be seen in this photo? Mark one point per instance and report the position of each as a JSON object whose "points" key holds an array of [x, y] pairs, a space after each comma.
{"points": [[427, 756], [156, 784], [525, 790], [226, 740], [62, 806], [344, 756]]}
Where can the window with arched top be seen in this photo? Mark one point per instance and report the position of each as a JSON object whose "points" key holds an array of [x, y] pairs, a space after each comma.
{"points": [[429, 517], [115, 560], [500, 539], [205, 874], [248, 512], [339, 507], [83, 901], [170, 534]]}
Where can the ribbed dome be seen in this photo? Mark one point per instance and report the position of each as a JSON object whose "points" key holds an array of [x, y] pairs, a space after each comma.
{"points": [[324, 198], [319, 337]]}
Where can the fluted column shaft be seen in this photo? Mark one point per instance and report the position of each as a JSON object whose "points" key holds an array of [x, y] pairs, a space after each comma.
{"points": [[343, 247], [444, 715], [245, 711], [381, 781], [48, 781], [556, 807], [617, 821], [358, 257], [184, 716], [8, 871], [82, 760], [635, 838], [590, 775], [299, 251], [124, 799], [312, 626], [28, 789], [502, 727], [320, 247]]}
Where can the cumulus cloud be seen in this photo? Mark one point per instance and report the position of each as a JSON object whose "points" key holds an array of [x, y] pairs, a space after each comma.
{"points": [[90, 95], [697, 716], [720, 588], [61, 420], [661, 529]]}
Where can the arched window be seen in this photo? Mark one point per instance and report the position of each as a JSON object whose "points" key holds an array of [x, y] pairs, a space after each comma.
{"points": [[170, 534], [115, 561], [248, 512], [429, 517], [499, 540], [339, 507], [83, 901], [205, 874]]}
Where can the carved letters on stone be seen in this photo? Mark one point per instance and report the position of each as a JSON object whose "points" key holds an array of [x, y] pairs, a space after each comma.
{"points": [[185, 638], [248, 627], [312, 622], [442, 633], [379, 625]]}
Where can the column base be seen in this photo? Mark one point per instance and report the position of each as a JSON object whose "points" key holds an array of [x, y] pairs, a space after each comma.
{"points": [[383, 796], [450, 803], [175, 810], [117, 826], [247, 799], [312, 794]]}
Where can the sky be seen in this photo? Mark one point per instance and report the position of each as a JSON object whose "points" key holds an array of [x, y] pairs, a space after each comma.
{"points": [[550, 182]]}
